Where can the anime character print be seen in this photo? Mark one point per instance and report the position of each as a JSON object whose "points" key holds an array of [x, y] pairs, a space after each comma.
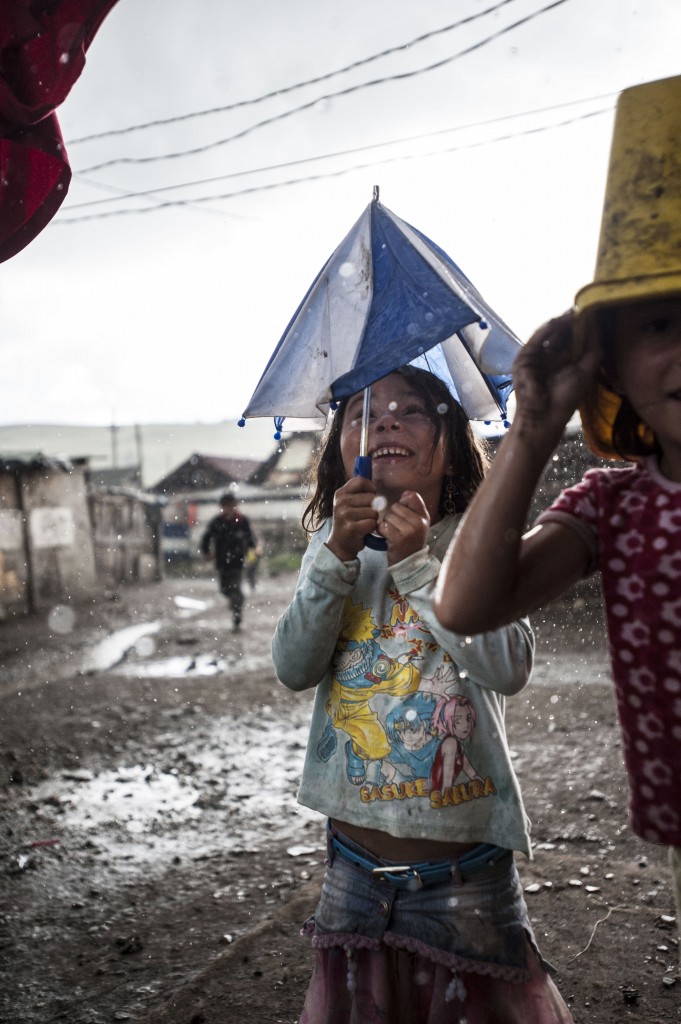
{"points": [[454, 722], [410, 729], [413, 743], [361, 670]]}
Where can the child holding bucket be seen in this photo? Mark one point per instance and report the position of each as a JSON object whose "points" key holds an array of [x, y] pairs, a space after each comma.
{"points": [[618, 357], [422, 916]]}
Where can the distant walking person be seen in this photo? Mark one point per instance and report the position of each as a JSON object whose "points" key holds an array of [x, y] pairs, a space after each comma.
{"points": [[229, 538]]}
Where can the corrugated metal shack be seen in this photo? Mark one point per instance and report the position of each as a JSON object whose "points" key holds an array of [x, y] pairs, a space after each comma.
{"points": [[127, 529], [61, 540]]}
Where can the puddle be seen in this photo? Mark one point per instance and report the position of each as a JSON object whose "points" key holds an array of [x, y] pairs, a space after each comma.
{"points": [[112, 651], [178, 667], [188, 607], [134, 797], [139, 664], [114, 648], [230, 787]]}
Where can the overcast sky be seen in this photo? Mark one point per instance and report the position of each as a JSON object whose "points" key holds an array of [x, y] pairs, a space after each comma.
{"points": [[169, 314]]}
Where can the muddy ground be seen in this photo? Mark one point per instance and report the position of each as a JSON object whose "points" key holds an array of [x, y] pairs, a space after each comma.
{"points": [[154, 866]]}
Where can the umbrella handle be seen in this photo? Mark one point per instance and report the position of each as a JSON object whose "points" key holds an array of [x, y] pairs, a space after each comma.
{"points": [[363, 468]]}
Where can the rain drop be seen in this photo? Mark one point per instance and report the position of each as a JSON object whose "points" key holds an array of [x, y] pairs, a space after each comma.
{"points": [[346, 269], [145, 647], [442, 408], [392, 406], [61, 619], [379, 503]]}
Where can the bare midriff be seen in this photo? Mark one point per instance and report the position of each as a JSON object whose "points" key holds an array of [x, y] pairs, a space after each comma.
{"points": [[407, 851]]}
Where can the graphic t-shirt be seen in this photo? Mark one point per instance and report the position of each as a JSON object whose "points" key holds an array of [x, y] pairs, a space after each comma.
{"points": [[407, 733], [631, 520]]}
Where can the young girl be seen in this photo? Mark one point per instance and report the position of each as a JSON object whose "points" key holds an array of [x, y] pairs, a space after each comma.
{"points": [[623, 522], [619, 360], [422, 917]]}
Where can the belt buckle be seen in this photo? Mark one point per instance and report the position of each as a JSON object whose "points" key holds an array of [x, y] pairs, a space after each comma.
{"points": [[410, 874]]}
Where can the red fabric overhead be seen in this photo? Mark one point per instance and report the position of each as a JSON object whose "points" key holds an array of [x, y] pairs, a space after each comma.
{"points": [[42, 53]]}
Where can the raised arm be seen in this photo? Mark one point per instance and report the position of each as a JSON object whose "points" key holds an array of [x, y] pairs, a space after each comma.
{"points": [[306, 634], [492, 573]]}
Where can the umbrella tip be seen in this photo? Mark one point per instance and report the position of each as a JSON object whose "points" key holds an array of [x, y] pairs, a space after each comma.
{"points": [[377, 192], [241, 422]]}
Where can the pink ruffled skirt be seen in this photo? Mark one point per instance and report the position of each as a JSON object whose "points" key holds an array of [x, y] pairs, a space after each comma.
{"points": [[394, 986]]}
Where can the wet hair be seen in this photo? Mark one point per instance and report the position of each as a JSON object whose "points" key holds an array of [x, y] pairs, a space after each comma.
{"points": [[463, 449], [625, 434]]}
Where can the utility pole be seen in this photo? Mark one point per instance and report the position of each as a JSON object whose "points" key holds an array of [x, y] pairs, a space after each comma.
{"points": [[140, 454], [114, 446]]}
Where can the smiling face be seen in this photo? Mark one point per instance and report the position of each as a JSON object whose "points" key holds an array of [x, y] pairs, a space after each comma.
{"points": [[648, 369], [462, 723], [406, 453]]}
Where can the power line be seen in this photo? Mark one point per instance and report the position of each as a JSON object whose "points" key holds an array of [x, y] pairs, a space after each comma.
{"points": [[120, 193], [330, 174], [297, 85], [401, 76]]}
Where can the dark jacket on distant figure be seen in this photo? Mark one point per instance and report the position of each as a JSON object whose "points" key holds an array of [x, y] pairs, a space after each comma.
{"points": [[231, 539]]}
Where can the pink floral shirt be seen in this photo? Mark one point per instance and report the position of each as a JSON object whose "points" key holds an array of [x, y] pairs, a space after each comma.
{"points": [[631, 519]]}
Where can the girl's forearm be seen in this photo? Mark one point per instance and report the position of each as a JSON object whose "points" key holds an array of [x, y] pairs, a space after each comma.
{"points": [[305, 636]]}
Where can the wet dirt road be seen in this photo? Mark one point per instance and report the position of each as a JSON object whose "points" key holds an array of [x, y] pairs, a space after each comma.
{"points": [[149, 827], [150, 762]]}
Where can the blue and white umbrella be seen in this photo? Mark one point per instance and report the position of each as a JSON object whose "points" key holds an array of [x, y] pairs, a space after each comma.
{"points": [[388, 296]]}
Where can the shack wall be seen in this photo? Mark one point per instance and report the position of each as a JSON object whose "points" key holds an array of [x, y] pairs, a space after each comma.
{"points": [[14, 576], [62, 541], [57, 535], [126, 537]]}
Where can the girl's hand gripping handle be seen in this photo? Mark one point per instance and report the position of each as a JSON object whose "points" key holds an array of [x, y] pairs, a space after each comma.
{"points": [[363, 468]]}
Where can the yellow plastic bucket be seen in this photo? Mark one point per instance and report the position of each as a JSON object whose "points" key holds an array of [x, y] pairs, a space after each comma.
{"points": [[639, 249]]}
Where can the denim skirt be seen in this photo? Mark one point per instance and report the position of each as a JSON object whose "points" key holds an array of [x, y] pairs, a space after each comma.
{"points": [[447, 952]]}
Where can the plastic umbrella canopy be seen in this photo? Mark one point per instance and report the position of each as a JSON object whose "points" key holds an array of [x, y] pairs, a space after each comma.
{"points": [[388, 296]]}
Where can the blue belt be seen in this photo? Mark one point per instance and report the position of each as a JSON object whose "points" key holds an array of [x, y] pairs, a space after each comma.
{"points": [[416, 876]]}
